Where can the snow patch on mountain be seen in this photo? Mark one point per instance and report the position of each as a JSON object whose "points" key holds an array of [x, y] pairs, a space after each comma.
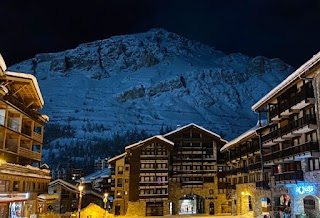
{"points": [[150, 80]]}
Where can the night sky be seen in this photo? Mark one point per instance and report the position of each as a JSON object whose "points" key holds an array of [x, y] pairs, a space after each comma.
{"points": [[287, 29]]}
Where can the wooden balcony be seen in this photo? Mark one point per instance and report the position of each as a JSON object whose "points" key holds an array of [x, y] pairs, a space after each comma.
{"points": [[305, 150], [294, 103], [242, 171], [302, 125], [29, 154], [244, 152], [289, 177], [37, 137], [27, 171], [255, 167], [152, 196], [192, 182], [19, 105]]}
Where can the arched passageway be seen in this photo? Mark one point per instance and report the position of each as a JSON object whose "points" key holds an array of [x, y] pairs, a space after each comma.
{"points": [[191, 204], [311, 206], [265, 206]]}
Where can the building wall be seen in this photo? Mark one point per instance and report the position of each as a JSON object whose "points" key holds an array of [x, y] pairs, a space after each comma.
{"points": [[243, 191]]}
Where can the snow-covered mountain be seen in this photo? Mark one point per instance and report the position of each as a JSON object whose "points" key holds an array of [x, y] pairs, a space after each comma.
{"points": [[150, 81]]}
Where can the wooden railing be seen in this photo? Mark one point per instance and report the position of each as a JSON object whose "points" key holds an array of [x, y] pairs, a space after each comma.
{"points": [[296, 124], [304, 94], [29, 154], [291, 151]]}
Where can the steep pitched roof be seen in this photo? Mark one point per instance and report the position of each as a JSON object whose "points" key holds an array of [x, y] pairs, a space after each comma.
{"points": [[68, 185], [161, 138], [244, 136], [194, 125], [117, 157], [74, 188], [106, 172]]}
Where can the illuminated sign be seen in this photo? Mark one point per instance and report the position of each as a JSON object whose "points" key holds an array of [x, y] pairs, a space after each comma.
{"points": [[305, 189]]}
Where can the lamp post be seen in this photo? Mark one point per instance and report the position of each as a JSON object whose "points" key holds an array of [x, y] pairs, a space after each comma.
{"points": [[105, 200], [242, 194], [80, 187]]}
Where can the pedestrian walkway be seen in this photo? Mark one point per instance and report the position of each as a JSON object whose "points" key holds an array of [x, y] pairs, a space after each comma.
{"points": [[248, 215]]}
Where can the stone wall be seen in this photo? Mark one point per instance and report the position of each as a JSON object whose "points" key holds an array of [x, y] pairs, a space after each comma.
{"points": [[137, 208], [243, 191]]}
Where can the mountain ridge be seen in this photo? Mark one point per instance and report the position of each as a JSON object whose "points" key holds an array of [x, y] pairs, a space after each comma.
{"points": [[149, 81]]}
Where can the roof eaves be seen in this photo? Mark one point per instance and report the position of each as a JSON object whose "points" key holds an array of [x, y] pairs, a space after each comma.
{"points": [[285, 83]]}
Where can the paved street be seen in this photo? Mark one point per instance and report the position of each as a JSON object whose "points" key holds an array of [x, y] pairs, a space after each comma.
{"points": [[249, 215]]}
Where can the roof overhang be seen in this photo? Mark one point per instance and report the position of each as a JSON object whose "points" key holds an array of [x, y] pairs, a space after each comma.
{"points": [[300, 72], [198, 127], [26, 86], [117, 157], [150, 140]]}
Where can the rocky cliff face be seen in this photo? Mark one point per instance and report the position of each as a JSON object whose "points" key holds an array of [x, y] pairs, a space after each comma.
{"points": [[148, 81]]}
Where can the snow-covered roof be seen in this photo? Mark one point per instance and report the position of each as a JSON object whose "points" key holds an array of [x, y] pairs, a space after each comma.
{"points": [[8, 197], [44, 166], [73, 187], [117, 157], [48, 196], [160, 137], [64, 183], [246, 135], [287, 82], [28, 76], [98, 174], [195, 125], [27, 171]]}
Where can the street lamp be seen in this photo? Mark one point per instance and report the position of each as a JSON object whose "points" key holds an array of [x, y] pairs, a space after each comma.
{"points": [[80, 187], [242, 194], [105, 201]]}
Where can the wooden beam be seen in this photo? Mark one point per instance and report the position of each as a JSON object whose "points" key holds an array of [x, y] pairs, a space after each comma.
{"points": [[19, 89], [31, 103]]}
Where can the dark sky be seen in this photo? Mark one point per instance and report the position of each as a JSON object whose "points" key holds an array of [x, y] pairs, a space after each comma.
{"points": [[287, 29]]}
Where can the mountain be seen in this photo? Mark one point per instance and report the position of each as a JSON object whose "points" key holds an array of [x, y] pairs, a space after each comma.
{"points": [[149, 81]]}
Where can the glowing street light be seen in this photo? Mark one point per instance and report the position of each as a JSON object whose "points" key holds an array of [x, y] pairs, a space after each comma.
{"points": [[2, 161], [80, 187], [105, 201]]}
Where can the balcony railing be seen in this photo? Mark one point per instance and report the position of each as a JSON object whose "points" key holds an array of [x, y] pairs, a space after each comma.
{"points": [[255, 167], [22, 107], [263, 185], [294, 125], [242, 170], [245, 151], [286, 176], [293, 151], [29, 154], [304, 94]]}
